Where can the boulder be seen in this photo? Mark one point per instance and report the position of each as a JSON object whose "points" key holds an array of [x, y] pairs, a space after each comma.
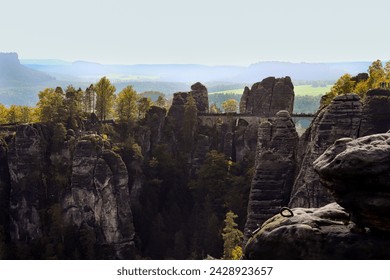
{"points": [[357, 172], [315, 233]]}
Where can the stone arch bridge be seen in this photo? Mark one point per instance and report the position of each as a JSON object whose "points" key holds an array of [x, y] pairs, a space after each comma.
{"points": [[210, 119]]}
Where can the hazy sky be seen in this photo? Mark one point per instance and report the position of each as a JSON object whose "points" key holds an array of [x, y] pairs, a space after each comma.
{"points": [[203, 31]]}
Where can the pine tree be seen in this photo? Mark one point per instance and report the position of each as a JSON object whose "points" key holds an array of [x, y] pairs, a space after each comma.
{"points": [[232, 236]]}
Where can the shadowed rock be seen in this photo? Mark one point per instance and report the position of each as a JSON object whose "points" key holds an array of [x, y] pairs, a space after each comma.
{"points": [[275, 169], [376, 112], [357, 172]]}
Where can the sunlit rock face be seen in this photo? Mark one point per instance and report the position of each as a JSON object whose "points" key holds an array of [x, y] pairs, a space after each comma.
{"points": [[315, 234], [268, 97], [357, 172], [341, 118]]}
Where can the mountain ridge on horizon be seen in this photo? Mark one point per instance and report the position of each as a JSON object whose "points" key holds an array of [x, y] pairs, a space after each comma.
{"points": [[189, 73]]}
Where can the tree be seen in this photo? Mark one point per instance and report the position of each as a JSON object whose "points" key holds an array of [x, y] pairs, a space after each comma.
{"points": [[89, 100], [214, 109], [126, 104], [230, 106], [144, 104], [231, 236], [73, 104], [13, 114], [161, 102], [3, 113], [105, 97], [26, 114], [51, 105], [387, 71], [59, 134], [377, 74]]}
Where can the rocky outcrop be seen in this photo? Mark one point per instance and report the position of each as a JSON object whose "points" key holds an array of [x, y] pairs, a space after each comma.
{"points": [[275, 170], [268, 97], [360, 77], [26, 163], [155, 120], [315, 233], [376, 112], [357, 172], [81, 179], [200, 94], [4, 187], [341, 118], [176, 114], [99, 196], [245, 140]]}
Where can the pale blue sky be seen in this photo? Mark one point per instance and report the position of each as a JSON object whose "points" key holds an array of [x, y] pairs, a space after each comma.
{"points": [[238, 32]]}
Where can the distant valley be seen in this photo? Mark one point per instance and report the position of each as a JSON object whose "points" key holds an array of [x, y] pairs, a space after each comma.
{"points": [[20, 81]]}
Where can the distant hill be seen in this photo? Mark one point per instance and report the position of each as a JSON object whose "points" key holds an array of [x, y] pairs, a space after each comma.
{"points": [[13, 74], [190, 73]]}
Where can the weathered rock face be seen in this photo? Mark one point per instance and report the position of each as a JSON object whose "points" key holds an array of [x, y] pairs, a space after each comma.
{"points": [[357, 172], [155, 120], [376, 112], [99, 195], [4, 185], [315, 233], [245, 140], [88, 186], [200, 94], [268, 97], [26, 161], [275, 170], [339, 119], [176, 112]]}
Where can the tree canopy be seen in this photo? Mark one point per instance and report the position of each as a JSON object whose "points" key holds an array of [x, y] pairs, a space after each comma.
{"points": [[360, 84], [105, 97], [126, 104], [230, 106]]}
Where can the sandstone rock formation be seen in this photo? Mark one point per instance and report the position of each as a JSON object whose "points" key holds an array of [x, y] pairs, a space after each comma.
{"points": [[376, 112], [87, 182], [99, 195], [200, 94], [26, 163], [315, 233], [275, 169], [357, 172], [339, 119], [267, 97], [176, 112]]}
